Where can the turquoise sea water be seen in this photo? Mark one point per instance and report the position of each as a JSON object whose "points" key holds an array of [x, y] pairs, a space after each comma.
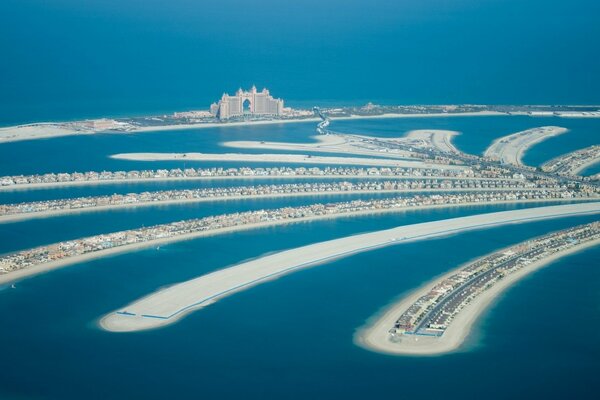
{"points": [[291, 338]]}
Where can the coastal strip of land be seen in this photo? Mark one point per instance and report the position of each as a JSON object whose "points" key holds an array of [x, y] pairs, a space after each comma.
{"points": [[47, 130], [14, 266], [53, 180], [438, 317], [511, 149], [283, 159], [434, 138], [573, 163], [338, 143], [49, 208], [168, 305]]}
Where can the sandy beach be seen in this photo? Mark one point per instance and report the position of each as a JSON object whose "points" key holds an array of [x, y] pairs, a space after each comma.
{"points": [[168, 305], [375, 337], [284, 158], [45, 130], [581, 169], [432, 115], [437, 138], [358, 144], [511, 149], [331, 143]]}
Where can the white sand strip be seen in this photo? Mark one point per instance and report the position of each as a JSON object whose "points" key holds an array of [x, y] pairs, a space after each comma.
{"points": [[375, 335], [169, 305], [284, 158], [511, 149], [575, 162], [436, 138], [52, 265], [46, 130], [363, 145], [43, 130], [331, 143]]}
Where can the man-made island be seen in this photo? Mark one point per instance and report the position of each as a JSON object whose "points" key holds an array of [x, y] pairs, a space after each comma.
{"points": [[168, 305], [210, 118], [437, 318], [33, 261], [48, 208], [511, 149], [415, 145], [573, 163], [420, 161]]}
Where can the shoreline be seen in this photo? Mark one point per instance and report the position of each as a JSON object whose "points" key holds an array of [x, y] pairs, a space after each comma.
{"points": [[508, 153], [342, 143], [17, 217], [523, 150], [577, 171], [54, 185], [286, 158], [441, 139], [170, 304], [10, 134], [586, 165], [49, 266], [373, 335], [581, 170]]}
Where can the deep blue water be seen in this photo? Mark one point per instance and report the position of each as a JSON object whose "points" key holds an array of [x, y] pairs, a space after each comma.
{"points": [[293, 337]]}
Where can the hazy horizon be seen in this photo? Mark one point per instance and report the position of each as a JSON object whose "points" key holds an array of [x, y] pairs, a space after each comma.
{"points": [[66, 59]]}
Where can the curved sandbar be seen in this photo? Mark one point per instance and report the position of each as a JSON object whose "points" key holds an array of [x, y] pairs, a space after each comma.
{"points": [[333, 143], [51, 208], [436, 138], [511, 149], [574, 162], [285, 158], [168, 305], [339, 143], [449, 336]]}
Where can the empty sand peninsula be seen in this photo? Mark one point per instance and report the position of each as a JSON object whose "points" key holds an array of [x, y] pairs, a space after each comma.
{"points": [[168, 305], [338, 143]]}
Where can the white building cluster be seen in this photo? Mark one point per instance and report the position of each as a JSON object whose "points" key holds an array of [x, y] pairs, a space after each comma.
{"points": [[250, 102]]}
